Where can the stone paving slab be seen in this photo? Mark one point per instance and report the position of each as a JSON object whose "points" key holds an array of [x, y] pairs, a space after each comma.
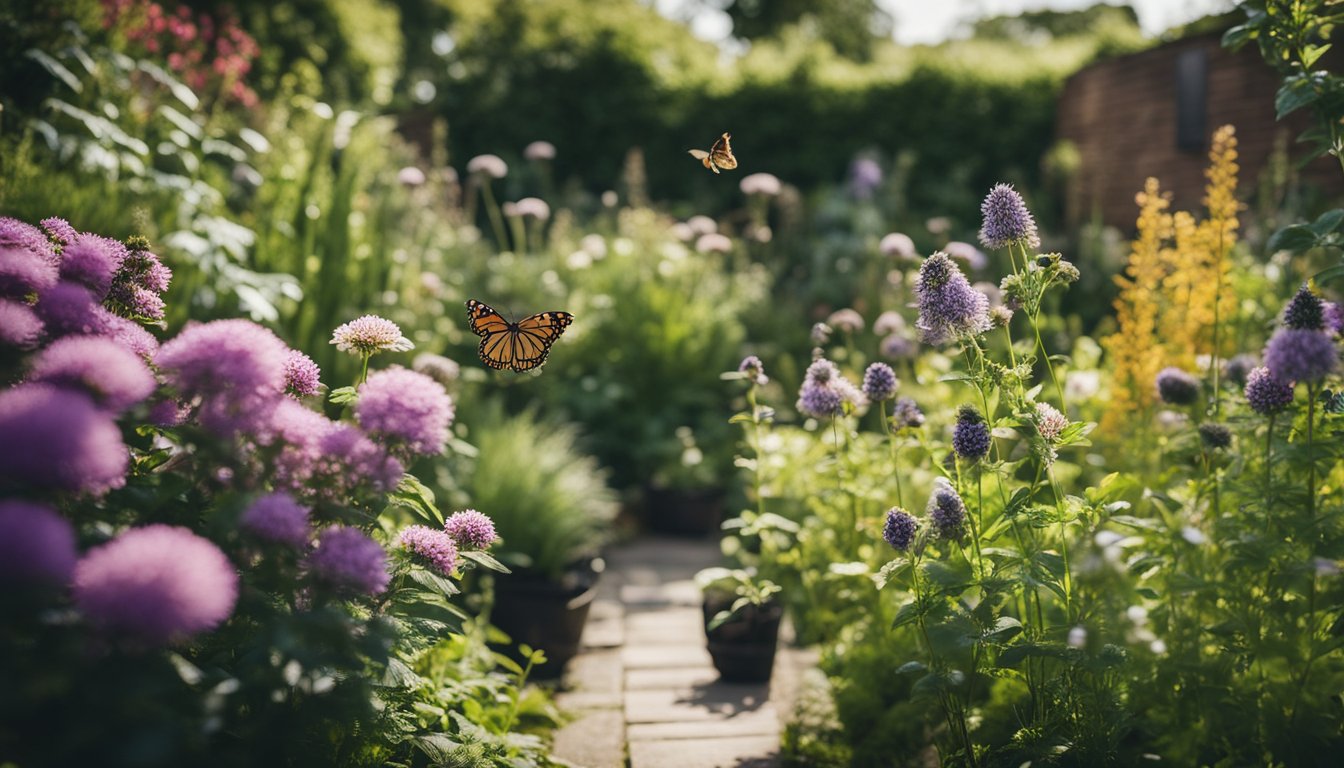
{"points": [[715, 701], [644, 656], [733, 752], [596, 739], [679, 625], [758, 722], [644, 689], [669, 677]]}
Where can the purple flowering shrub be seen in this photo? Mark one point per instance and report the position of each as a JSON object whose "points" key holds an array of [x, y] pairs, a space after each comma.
{"points": [[1032, 589], [191, 554]]}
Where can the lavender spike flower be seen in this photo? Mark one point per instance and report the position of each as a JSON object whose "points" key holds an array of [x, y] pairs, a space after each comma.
{"points": [[949, 308], [1006, 220]]}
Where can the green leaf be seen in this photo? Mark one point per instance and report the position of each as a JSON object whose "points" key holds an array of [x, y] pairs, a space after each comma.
{"points": [[417, 497], [434, 581], [1238, 36], [483, 559], [1296, 92], [1312, 53], [1011, 657], [1137, 522], [1328, 222], [1004, 628], [910, 667], [890, 571], [1329, 274], [907, 613], [343, 396], [56, 69]]}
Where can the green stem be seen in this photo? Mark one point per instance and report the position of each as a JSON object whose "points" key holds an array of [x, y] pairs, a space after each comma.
{"points": [[1036, 328], [492, 210], [1063, 547], [364, 372], [1311, 450], [895, 451], [1269, 453]]}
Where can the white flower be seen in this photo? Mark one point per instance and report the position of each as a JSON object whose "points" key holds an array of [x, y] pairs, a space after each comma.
{"points": [[370, 334]]}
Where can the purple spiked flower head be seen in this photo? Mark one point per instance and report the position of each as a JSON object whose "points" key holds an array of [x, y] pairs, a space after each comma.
{"points": [[752, 367], [1215, 435], [349, 560], [19, 325], [69, 308], [1176, 387], [156, 584], [900, 529], [946, 511], [1265, 393], [905, 414], [949, 308], [92, 261], [825, 391], [471, 529], [235, 367], [138, 286], [277, 517], [56, 439], [302, 376], [1294, 354], [1334, 318], [131, 335], [970, 436], [407, 408], [1305, 311], [24, 272], [115, 376], [879, 382], [350, 459], [897, 346], [21, 235], [37, 546], [435, 546], [1006, 220], [59, 230]]}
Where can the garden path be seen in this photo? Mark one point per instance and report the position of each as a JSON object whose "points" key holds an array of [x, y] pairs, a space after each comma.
{"points": [[643, 687]]}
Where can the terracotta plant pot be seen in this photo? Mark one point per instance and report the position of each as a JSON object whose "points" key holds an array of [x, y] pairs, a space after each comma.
{"points": [[743, 648], [545, 614], [684, 511]]}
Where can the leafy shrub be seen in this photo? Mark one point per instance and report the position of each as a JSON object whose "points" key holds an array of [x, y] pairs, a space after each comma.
{"points": [[549, 502]]}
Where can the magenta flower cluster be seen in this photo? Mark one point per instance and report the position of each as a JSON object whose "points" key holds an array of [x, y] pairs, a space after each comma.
{"points": [[471, 529], [435, 546], [156, 584], [406, 408], [278, 518], [348, 560]]}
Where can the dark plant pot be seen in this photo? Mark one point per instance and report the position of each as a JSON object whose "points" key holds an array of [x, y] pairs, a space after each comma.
{"points": [[545, 614], [743, 648], [684, 511]]}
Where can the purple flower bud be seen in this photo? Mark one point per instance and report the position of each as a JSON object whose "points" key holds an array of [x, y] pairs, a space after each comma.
{"points": [[1265, 393], [970, 436], [1176, 387], [899, 529]]}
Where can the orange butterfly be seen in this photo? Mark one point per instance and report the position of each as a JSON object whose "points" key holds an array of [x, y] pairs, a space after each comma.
{"points": [[519, 346], [719, 156]]}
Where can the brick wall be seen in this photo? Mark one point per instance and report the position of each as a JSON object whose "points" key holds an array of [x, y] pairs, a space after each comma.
{"points": [[1122, 116]]}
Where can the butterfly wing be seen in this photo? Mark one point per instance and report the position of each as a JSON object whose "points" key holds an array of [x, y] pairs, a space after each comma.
{"points": [[496, 334], [704, 158], [534, 337], [721, 154]]}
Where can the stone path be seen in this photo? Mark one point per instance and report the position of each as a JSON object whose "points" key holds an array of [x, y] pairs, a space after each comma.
{"points": [[644, 690]]}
